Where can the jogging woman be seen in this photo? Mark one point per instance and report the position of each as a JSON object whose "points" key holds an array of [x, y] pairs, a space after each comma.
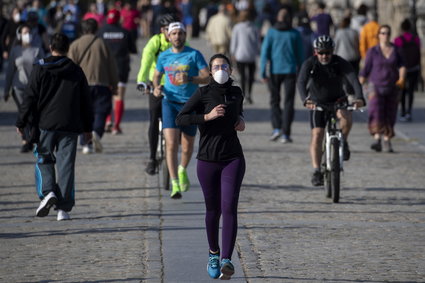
{"points": [[217, 109]]}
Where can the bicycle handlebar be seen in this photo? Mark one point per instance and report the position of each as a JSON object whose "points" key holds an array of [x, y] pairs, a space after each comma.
{"points": [[337, 106]]}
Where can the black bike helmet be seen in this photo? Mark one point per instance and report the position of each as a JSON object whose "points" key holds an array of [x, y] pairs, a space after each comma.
{"points": [[323, 42], [167, 19]]}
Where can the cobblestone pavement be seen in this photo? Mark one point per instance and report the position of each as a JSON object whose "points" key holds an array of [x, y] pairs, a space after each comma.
{"points": [[125, 229]]}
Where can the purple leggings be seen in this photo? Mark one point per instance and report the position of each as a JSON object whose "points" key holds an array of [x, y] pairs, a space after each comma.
{"points": [[221, 183]]}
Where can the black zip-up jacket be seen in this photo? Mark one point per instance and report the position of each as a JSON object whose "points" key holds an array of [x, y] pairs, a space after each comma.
{"points": [[324, 83], [57, 97], [218, 138]]}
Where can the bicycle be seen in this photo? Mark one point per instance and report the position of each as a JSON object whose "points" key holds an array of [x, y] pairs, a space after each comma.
{"points": [[333, 150], [161, 158]]}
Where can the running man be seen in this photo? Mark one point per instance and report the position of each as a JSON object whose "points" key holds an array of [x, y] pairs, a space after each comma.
{"points": [[184, 68], [321, 81]]}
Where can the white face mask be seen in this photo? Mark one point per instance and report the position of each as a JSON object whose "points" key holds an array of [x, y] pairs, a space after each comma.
{"points": [[17, 17], [221, 76], [26, 38]]}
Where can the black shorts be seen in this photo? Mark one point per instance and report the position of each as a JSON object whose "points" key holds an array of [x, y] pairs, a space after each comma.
{"points": [[317, 119], [123, 72]]}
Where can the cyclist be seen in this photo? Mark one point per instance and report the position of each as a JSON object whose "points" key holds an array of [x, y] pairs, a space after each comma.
{"points": [[184, 68], [156, 44], [321, 80]]}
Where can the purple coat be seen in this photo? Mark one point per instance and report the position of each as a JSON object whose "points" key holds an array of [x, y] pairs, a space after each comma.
{"points": [[381, 71]]}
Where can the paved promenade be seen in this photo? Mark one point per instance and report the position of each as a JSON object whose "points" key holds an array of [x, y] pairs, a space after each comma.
{"points": [[124, 228]]}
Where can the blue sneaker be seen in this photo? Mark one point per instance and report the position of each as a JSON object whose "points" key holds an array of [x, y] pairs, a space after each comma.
{"points": [[227, 269], [213, 266]]}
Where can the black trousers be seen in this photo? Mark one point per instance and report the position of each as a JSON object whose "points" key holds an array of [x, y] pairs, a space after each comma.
{"points": [[408, 92], [282, 118], [155, 112], [247, 75]]}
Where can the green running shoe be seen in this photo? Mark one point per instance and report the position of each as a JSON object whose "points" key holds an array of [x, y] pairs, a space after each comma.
{"points": [[175, 191], [183, 179]]}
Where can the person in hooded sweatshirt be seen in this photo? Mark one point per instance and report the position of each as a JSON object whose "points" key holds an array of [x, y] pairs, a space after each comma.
{"points": [[282, 51], [57, 100]]}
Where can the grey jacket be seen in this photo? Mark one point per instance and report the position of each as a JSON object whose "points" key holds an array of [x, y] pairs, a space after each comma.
{"points": [[347, 44], [245, 42]]}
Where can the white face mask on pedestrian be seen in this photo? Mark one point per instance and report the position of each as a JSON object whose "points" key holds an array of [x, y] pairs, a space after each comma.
{"points": [[221, 76], [26, 38]]}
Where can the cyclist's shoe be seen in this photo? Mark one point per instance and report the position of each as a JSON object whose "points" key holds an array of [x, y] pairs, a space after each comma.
{"points": [[151, 167], [183, 179], [175, 190], [285, 139], [275, 135], [317, 179], [213, 266], [227, 269], [347, 151], [376, 146]]}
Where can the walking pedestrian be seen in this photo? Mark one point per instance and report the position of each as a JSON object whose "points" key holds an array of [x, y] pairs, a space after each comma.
{"points": [[322, 21], [369, 35], [217, 109], [384, 67], [219, 31], [57, 99], [184, 68], [93, 55], [282, 50], [347, 44], [245, 47], [21, 59], [410, 47], [121, 44], [156, 44]]}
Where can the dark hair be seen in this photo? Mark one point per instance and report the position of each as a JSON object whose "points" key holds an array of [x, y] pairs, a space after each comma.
{"points": [[345, 23], [362, 10], [382, 27], [89, 26], [406, 25], [19, 31], [322, 5], [219, 56], [59, 42]]}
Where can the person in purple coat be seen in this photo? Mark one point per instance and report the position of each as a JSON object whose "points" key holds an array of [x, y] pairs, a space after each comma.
{"points": [[384, 69]]}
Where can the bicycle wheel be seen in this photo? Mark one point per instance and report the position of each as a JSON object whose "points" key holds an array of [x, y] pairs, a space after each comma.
{"points": [[326, 174], [165, 172], [335, 170]]}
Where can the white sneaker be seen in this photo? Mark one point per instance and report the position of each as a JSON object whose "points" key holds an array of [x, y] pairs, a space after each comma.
{"points": [[96, 143], [87, 149], [63, 215], [45, 205]]}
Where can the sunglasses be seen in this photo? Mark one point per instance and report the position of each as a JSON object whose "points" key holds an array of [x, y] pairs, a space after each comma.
{"points": [[222, 67], [384, 33], [324, 52]]}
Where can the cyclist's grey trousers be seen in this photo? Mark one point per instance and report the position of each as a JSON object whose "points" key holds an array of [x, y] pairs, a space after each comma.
{"points": [[56, 148]]}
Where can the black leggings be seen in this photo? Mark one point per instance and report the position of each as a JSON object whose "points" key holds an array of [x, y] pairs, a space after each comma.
{"points": [[408, 92], [155, 112], [245, 69]]}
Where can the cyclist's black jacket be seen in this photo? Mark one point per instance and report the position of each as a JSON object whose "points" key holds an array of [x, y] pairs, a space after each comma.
{"points": [[324, 83], [218, 138]]}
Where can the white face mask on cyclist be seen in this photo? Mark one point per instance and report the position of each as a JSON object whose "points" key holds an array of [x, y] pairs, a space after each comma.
{"points": [[221, 76]]}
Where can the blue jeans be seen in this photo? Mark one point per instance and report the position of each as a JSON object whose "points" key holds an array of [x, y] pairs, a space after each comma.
{"points": [[56, 152]]}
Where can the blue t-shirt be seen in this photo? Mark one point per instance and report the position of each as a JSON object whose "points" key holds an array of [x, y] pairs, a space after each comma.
{"points": [[188, 60]]}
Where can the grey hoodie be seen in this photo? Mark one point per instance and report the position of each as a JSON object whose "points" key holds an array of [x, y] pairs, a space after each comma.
{"points": [[245, 42]]}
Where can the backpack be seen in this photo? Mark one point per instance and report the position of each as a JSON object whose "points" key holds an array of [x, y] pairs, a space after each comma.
{"points": [[411, 53]]}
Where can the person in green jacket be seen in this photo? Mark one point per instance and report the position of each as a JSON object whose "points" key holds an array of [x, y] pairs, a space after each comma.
{"points": [[156, 44]]}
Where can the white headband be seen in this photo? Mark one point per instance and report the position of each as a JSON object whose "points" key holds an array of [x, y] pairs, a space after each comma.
{"points": [[174, 26]]}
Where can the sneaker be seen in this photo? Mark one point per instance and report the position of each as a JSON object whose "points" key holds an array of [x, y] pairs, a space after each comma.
{"points": [[26, 147], [183, 179], [151, 167], [376, 146], [213, 266], [175, 190], [63, 215], [347, 151], [402, 119], [117, 131], [275, 135], [227, 269], [285, 139], [317, 179], [87, 149], [45, 205], [408, 118], [108, 128], [97, 146]]}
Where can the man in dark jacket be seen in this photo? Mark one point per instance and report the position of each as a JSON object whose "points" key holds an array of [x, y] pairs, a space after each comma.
{"points": [[121, 44], [57, 102]]}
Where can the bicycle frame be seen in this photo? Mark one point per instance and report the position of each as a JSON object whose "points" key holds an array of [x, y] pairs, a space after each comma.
{"points": [[332, 132]]}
